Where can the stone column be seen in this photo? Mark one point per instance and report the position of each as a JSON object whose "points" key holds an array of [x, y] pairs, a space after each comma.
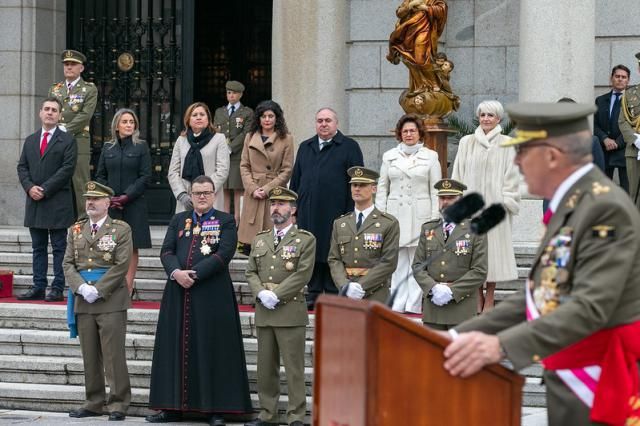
{"points": [[33, 37], [557, 50], [309, 61]]}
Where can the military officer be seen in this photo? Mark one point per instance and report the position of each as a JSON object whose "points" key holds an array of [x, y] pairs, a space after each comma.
{"points": [[364, 243], [78, 99], [280, 265], [95, 266], [450, 264], [629, 124], [234, 121], [582, 292]]}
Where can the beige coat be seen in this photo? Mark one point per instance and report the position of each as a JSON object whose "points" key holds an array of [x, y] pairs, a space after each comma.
{"points": [[405, 190], [215, 156], [262, 165], [487, 168]]}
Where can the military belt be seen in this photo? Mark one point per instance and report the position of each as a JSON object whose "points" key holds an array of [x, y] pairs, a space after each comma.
{"points": [[357, 272]]}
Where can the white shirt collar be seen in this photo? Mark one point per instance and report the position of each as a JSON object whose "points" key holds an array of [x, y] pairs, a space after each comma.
{"points": [[364, 212], [237, 105], [73, 83], [567, 184], [100, 222], [283, 231]]}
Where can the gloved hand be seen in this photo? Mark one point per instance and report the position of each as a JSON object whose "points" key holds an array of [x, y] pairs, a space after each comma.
{"points": [[355, 291], [88, 292], [268, 298], [441, 294], [186, 201], [119, 201]]}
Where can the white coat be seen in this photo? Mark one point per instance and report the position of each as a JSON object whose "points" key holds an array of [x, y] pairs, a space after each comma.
{"points": [[215, 158], [485, 167], [405, 190]]}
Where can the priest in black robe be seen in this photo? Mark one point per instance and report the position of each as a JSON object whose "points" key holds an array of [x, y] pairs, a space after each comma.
{"points": [[198, 357]]}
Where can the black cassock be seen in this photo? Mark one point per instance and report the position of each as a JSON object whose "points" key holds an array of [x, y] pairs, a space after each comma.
{"points": [[198, 357]]}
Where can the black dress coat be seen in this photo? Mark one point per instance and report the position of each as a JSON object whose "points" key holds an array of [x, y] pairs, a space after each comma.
{"points": [[126, 168], [605, 128], [198, 357], [320, 178], [53, 172]]}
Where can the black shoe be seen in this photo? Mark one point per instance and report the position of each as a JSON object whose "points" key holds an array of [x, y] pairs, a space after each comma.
{"points": [[83, 412], [258, 422], [164, 417], [311, 305], [32, 294], [216, 421], [55, 295], [116, 416]]}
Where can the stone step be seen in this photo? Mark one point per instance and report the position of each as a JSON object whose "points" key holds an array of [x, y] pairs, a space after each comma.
{"points": [[139, 347], [44, 397]]}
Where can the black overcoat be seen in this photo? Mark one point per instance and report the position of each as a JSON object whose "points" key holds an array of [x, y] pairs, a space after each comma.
{"points": [[603, 128], [52, 172], [320, 178], [198, 357], [126, 168]]}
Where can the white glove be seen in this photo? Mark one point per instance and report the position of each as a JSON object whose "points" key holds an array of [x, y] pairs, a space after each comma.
{"points": [[89, 292], [637, 141], [268, 298], [441, 294], [354, 291]]}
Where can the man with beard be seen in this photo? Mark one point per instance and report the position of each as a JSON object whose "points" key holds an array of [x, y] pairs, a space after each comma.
{"points": [[280, 265], [364, 243], [198, 356], [95, 265], [450, 264]]}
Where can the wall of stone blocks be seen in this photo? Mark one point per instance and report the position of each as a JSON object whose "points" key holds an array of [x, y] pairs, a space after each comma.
{"points": [[33, 34]]}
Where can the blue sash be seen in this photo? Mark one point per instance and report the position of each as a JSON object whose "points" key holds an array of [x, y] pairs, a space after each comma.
{"points": [[93, 275]]}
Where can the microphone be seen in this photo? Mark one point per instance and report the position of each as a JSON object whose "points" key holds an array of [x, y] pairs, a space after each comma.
{"points": [[465, 207], [490, 217]]}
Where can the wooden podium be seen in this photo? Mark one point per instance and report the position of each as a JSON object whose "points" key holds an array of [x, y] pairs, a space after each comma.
{"points": [[374, 367]]}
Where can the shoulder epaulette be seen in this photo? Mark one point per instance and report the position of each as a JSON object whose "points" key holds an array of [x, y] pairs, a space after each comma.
{"points": [[345, 215], [264, 232], [388, 216], [304, 231], [120, 222]]}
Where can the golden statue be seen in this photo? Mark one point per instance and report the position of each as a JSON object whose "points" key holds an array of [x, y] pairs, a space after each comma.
{"points": [[414, 41]]}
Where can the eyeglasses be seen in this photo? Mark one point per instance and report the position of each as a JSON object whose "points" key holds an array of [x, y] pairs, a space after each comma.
{"points": [[522, 148], [199, 194]]}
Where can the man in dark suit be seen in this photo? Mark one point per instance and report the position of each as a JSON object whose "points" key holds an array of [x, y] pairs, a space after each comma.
{"points": [[605, 125], [95, 264], [45, 169], [580, 309], [320, 178]]}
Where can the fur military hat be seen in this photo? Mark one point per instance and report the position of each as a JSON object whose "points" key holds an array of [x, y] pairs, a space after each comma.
{"points": [[73, 56], [235, 86], [97, 190]]}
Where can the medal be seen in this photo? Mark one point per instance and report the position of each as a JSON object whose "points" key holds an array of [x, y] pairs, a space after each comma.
{"points": [[205, 249], [196, 230], [288, 266], [107, 257], [187, 227], [341, 248]]}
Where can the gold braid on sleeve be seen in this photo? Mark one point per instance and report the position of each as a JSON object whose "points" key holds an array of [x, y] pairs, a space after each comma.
{"points": [[634, 122]]}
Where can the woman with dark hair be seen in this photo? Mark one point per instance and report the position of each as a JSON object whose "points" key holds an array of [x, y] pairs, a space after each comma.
{"points": [[405, 190], [266, 162], [199, 150], [125, 166]]}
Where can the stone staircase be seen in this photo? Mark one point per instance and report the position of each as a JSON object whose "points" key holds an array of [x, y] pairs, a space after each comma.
{"points": [[41, 368]]}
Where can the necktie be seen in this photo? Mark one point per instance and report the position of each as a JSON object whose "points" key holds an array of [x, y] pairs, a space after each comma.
{"points": [[69, 87], [448, 227], [94, 229], [359, 223], [547, 217], [279, 236], [615, 110], [232, 110], [324, 144], [43, 145]]}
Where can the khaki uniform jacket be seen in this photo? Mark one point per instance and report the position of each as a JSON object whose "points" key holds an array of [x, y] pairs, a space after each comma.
{"points": [[263, 165], [373, 248], [460, 262], [85, 252], [77, 109], [596, 233], [285, 269], [629, 124]]}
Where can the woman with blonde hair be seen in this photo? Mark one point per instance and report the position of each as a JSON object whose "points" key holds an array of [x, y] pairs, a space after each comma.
{"points": [[405, 190], [199, 150], [125, 166], [488, 169]]}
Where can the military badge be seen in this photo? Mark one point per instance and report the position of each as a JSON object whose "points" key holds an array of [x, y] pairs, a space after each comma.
{"points": [[196, 230], [358, 172], [107, 257], [210, 231], [342, 249], [342, 225], [91, 186], [377, 224], [546, 295], [288, 252], [106, 243], [239, 122], [603, 231], [259, 244], [598, 188], [187, 227], [205, 248], [372, 241], [289, 266], [462, 247], [75, 108], [276, 191], [430, 234], [297, 240]]}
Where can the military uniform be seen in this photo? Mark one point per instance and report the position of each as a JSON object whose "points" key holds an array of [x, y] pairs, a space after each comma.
{"points": [[102, 324], [584, 276], [78, 107], [460, 262], [284, 268], [368, 255], [235, 128]]}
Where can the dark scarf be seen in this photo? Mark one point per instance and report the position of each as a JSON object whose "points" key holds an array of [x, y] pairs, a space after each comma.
{"points": [[193, 165]]}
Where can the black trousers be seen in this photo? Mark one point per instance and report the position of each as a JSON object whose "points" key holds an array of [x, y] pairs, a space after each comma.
{"points": [[622, 174], [321, 282], [39, 245]]}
